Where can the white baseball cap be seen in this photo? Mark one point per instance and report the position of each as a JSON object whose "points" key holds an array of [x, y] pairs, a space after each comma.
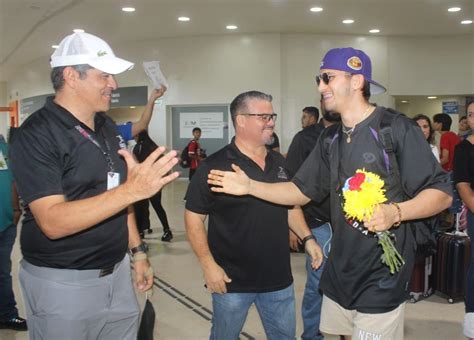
{"points": [[84, 48]]}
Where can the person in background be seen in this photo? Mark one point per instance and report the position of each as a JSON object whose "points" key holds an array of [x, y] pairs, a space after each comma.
{"points": [[130, 130], [464, 129], [449, 140], [424, 123], [463, 175], [244, 255], [144, 147], [317, 216], [79, 233], [195, 152], [10, 213]]}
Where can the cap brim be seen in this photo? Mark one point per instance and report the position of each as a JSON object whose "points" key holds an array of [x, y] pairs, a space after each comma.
{"points": [[112, 65], [376, 88]]}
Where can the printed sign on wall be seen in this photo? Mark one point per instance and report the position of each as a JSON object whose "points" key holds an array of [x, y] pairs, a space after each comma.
{"points": [[210, 123]]}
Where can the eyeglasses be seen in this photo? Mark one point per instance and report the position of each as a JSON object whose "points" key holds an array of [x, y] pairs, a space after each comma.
{"points": [[266, 117], [327, 77]]}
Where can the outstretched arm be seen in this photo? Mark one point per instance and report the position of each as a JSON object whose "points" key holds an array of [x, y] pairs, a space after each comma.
{"points": [[238, 183], [145, 118]]}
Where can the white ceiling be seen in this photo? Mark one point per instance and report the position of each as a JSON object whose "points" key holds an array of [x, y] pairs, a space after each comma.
{"points": [[28, 28]]}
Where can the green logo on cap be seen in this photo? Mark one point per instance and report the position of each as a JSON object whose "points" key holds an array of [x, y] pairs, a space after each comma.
{"points": [[101, 53]]}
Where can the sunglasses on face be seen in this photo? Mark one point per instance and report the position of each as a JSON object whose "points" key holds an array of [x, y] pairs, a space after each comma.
{"points": [[327, 77], [266, 117]]}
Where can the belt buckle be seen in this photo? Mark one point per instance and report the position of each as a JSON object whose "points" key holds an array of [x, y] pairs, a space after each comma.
{"points": [[106, 271]]}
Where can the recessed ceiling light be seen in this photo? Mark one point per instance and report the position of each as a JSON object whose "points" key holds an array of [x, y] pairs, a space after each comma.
{"points": [[55, 46], [78, 30], [404, 101], [184, 19], [454, 9], [316, 9], [132, 107], [348, 21], [466, 22], [231, 27], [432, 97], [128, 9], [375, 30]]}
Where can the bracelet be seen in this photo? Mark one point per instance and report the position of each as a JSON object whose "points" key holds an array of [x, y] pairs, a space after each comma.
{"points": [[139, 257], [399, 211], [307, 238]]}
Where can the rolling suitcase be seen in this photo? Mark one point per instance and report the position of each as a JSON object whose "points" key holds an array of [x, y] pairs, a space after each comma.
{"points": [[452, 261], [422, 278]]}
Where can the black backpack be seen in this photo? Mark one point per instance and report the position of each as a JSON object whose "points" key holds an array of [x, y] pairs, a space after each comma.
{"points": [[184, 159], [424, 230]]}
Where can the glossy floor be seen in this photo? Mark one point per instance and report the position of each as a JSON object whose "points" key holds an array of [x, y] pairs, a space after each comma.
{"points": [[183, 307]]}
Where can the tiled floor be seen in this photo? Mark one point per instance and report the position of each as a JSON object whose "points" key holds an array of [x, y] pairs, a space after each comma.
{"points": [[183, 306]]}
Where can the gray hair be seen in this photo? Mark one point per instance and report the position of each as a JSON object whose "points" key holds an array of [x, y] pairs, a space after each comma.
{"points": [[239, 104], [57, 78]]}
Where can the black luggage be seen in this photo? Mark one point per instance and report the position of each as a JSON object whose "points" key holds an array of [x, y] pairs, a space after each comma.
{"points": [[452, 261]]}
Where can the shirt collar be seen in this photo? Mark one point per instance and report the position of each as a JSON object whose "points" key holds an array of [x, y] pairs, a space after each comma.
{"points": [[68, 119]]}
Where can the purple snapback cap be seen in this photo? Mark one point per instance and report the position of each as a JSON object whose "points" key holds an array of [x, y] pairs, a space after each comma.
{"points": [[353, 61]]}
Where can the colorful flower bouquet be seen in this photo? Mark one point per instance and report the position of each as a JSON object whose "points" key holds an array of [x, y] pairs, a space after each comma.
{"points": [[362, 193]]}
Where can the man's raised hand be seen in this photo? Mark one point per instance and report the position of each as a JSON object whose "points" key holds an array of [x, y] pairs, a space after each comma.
{"points": [[147, 178]]}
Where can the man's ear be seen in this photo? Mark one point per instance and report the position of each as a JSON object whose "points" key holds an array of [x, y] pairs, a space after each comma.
{"points": [[357, 81], [240, 121], [70, 76]]}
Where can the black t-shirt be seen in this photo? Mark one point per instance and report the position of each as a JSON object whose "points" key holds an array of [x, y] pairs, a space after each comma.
{"points": [[51, 157], [354, 276], [247, 237], [315, 213], [463, 171]]}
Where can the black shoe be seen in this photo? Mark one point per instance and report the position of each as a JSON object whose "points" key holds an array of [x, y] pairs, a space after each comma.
{"points": [[17, 324], [167, 236]]}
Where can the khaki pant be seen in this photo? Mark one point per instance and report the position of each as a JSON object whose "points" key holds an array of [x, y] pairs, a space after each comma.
{"points": [[340, 321]]}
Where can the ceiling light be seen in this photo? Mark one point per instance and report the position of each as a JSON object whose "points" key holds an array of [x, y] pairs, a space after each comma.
{"points": [[316, 9], [454, 9], [128, 9], [404, 101], [132, 107], [231, 27], [375, 30], [348, 21], [466, 22], [432, 97], [55, 46], [184, 19], [78, 30]]}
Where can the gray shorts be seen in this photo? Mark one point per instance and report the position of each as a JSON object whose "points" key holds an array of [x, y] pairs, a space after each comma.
{"points": [[79, 304]]}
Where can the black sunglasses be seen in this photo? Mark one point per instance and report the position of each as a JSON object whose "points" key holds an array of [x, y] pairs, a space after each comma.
{"points": [[326, 77]]}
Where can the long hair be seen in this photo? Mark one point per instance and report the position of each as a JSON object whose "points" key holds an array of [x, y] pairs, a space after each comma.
{"points": [[430, 138]]}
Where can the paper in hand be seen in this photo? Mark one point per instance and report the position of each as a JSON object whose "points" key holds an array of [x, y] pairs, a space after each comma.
{"points": [[153, 71]]}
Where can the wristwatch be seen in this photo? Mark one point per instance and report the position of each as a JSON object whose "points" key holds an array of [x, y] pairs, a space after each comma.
{"points": [[142, 247]]}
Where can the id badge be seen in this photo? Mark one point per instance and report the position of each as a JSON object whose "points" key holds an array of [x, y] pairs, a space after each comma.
{"points": [[3, 162], [113, 180]]}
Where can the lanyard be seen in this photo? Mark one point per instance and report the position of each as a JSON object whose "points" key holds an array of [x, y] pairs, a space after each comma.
{"points": [[106, 154]]}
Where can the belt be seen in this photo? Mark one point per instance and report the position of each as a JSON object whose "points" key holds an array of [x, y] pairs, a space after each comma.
{"points": [[67, 274]]}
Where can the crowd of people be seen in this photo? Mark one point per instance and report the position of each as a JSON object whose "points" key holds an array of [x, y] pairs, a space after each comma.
{"points": [[86, 206]]}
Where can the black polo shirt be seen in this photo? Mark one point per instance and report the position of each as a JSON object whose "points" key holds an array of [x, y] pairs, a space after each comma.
{"points": [[50, 156], [354, 276], [315, 213], [248, 237]]}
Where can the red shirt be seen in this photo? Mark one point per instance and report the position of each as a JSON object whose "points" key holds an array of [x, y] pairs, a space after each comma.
{"points": [[193, 150], [448, 142]]}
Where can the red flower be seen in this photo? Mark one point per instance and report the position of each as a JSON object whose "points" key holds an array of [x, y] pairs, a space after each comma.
{"points": [[356, 181]]}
